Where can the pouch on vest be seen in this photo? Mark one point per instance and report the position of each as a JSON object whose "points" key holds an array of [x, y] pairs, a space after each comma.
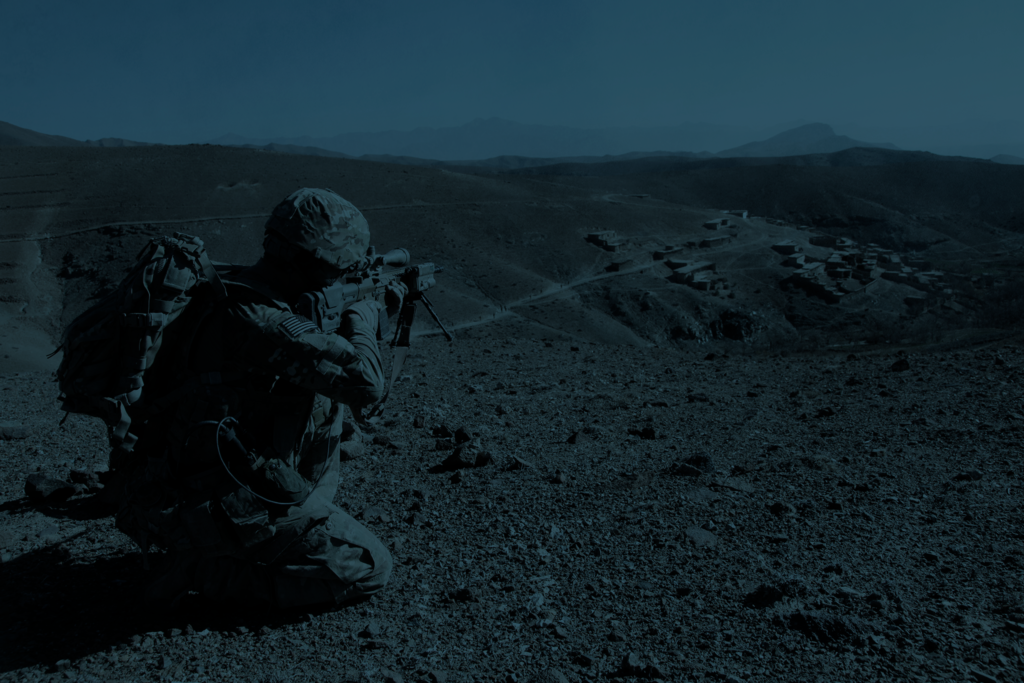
{"points": [[282, 483], [248, 516]]}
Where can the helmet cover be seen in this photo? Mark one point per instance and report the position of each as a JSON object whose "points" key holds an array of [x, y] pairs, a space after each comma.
{"points": [[323, 224]]}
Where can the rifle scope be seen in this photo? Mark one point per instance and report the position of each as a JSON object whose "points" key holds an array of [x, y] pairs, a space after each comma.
{"points": [[395, 257]]}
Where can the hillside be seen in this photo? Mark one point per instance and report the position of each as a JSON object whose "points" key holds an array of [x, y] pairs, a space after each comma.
{"points": [[684, 480], [14, 136], [517, 243]]}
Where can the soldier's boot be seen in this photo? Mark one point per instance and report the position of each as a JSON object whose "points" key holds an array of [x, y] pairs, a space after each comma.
{"points": [[245, 585], [172, 586], [292, 592], [302, 593]]}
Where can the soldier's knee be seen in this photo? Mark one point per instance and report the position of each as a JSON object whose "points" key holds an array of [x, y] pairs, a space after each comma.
{"points": [[381, 572], [380, 564]]}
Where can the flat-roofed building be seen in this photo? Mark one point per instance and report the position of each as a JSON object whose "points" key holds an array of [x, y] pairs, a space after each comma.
{"points": [[685, 274], [787, 247], [702, 282], [665, 251], [607, 240], [621, 265], [715, 241], [896, 276]]}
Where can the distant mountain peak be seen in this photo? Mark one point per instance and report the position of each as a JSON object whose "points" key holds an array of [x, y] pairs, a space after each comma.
{"points": [[810, 132], [811, 138], [1007, 159]]}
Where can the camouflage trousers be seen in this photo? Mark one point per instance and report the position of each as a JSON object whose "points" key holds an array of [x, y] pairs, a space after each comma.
{"points": [[229, 548]]}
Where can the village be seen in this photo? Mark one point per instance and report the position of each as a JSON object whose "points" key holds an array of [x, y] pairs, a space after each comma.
{"points": [[852, 269], [847, 269]]}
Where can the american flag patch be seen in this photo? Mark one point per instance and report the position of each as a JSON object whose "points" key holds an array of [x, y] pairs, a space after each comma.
{"points": [[295, 326]]}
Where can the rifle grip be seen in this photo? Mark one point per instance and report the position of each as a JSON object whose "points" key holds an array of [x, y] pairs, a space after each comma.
{"points": [[405, 324]]}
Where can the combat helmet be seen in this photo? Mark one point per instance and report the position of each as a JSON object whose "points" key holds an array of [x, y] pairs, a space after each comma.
{"points": [[322, 224]]}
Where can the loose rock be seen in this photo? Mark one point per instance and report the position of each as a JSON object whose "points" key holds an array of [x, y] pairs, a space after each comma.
{"points": [[372, 513], [829, 628], [763, 596], [701, 538], [549, 676], [41, 488], [468, 454], [902, 365], [700, 461], [11, 431], [371, 630], [782, 509], [631, 665], [89, 479]]}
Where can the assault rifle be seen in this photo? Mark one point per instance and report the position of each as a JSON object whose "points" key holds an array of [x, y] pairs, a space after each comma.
{"points": [[324, 307]]}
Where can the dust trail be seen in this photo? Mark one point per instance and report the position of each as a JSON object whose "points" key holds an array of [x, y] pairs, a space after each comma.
{"points": [[506, 309]]}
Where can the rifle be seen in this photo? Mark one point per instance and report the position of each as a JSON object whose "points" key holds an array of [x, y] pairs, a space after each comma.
{"points": [[324, 307]]}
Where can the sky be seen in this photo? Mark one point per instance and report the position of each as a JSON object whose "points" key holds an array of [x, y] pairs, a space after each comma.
{"points": [[184, 71]]}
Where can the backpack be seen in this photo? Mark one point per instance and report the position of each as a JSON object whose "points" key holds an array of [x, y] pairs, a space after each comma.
{"points": [[108, 348]]}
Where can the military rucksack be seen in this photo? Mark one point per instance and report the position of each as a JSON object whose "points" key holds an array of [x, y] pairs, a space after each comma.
{"points": [[108, 348]]}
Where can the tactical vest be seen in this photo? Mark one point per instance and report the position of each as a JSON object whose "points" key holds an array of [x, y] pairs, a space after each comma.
{"points": [[270, 421]]}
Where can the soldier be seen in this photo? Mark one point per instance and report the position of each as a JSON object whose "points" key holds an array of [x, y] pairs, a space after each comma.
{"points": [[242, 459]]}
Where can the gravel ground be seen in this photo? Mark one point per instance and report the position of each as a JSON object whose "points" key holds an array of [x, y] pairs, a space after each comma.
{"points": [[617, 513]]}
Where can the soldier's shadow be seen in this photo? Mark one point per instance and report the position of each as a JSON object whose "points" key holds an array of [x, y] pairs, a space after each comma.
{"points": [[57, 607]]}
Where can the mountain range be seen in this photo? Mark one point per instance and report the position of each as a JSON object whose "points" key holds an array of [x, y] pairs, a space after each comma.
{"points": [[485, 139], [499, 144]]}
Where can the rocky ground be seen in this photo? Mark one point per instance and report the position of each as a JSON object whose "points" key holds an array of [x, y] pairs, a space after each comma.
{"points": [[643, 513]]}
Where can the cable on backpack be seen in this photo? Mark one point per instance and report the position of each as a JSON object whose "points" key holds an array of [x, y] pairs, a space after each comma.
{"points": [[220, 425]]}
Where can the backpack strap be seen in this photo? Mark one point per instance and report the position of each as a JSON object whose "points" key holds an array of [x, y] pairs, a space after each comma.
{"points": [[219, 290], [197, 249]]}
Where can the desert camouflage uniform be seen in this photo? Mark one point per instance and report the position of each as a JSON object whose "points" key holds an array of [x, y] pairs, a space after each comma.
{"points": [[288, 386]]}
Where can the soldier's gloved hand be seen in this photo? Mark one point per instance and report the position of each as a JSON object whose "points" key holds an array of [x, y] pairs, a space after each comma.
{"points": [[394, 295]]}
